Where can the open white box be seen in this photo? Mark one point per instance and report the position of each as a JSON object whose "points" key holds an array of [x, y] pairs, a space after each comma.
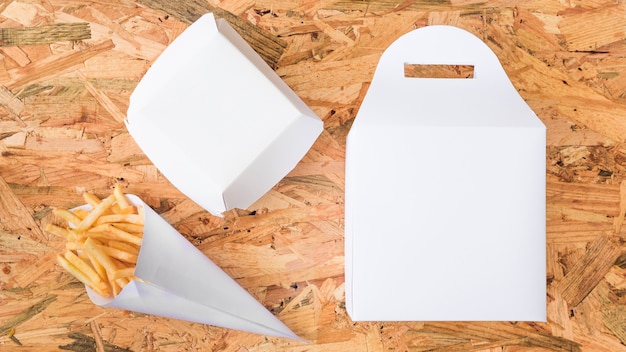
{"points": [[445, 191], [179, 281], [216, 120]]}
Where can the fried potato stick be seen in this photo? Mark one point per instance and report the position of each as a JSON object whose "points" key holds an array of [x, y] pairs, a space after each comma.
{"points": [[80, 276], [120, 198], [103, 243], [96, 265], [67, 216], [124, 246], [91, 199], [95, 213], [111, 232], [121, 218], [74, 246], [81, 213], [99, 255], [58, 230], [126, 272], [83, 267], [120, 254], [135, 229]]}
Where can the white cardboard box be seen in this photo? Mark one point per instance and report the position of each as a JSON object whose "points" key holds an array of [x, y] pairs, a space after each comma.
{"points": [[445, 191], [217, 121]]}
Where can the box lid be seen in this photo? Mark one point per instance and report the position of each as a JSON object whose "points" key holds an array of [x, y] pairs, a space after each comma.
{"points": [[216, 120]]}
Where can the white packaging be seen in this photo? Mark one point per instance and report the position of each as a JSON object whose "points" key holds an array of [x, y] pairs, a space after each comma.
{"points": [[217, 121], [445, 191], [178, 281]]}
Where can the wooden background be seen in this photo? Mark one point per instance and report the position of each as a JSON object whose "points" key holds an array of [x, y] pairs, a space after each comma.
{"points": [[67, 69]]}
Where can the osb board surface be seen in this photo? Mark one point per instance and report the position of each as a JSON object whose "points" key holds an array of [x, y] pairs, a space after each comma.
{"points": [[63, 100]]}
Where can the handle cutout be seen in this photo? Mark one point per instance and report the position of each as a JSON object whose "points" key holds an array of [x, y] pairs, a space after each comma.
{"points": [[438, 71]]}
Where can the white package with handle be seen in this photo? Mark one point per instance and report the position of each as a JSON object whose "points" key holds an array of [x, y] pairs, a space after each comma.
{"points": [[445, 190]]}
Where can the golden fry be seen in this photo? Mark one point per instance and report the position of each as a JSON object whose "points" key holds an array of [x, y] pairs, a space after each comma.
{"points": [[81, 213], [124, 246], [74, 246], [73, 235], [103, 243], [95, 213], [113, 233], [122, 281], [57, 230], [91, 199], [142, 214], [119, 254], [82, 266], [99, 255], [80, 276], [67, 216], [131, 209], [120, 198], [115, 287], [97, 266], [119, 218], [126, 272], [135, 229]]}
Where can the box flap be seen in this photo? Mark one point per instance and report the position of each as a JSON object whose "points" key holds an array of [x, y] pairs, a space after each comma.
{"points": [[209, 110], [443, 102]]}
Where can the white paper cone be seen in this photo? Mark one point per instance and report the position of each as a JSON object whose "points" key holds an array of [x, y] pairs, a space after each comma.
{"points": [[181, 282]]}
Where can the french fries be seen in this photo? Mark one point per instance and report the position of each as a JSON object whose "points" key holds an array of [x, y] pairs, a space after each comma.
{"points": [[103, 243]]}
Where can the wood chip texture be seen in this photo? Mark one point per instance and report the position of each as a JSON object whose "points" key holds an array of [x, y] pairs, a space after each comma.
{"points": [[67, 69]]}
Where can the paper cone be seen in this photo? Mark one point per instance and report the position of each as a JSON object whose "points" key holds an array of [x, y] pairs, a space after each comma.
{"points": [[181, 282]]}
